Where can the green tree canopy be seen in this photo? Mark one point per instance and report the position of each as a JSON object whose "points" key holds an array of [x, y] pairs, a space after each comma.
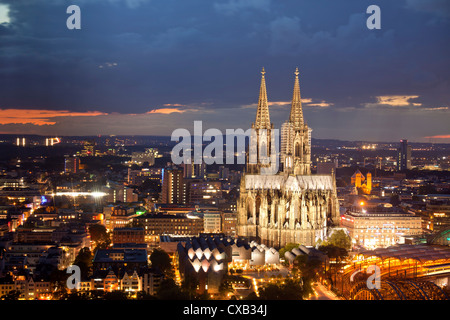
{"points": [[333, 252], [286, 248], [339, 239]]}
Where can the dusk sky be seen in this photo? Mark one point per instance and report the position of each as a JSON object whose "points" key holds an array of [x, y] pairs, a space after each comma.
{"points": [[147, 67]]}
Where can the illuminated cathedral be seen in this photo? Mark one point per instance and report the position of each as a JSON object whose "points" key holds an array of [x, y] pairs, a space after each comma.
{"points": [[290, 205]]}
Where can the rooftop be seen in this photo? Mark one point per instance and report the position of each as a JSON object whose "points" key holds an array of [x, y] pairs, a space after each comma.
{"points": [[419, 252]]}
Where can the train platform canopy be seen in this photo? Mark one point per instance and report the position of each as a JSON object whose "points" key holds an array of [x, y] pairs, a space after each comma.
{"points": [[419, 252]]}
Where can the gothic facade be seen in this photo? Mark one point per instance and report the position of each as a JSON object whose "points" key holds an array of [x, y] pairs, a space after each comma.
{"points": [[290, 205]]}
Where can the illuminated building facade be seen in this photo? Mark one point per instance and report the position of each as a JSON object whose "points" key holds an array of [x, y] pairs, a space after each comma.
{"points": [[207, 258], [159, 224], [292, 205], [204, 192], [212, 222], [173, 187], [128, 235], [229, 223], [138, 177], [72, 165], [380, 226]]}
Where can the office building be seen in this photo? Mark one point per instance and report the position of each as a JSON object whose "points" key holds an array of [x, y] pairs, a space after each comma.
{"points": [[173, 187], [71, 165], [404, 156]]}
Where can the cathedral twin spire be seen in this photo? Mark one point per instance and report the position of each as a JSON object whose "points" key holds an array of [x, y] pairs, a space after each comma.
{"points": [[295, 134], [296, 116], [262, 112]]}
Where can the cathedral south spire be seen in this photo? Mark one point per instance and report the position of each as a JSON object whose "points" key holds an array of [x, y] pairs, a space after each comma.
{"points": [[262, 113], [296, 116]]}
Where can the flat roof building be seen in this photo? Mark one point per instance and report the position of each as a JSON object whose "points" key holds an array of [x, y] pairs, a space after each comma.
{"points": [[380, 226]]}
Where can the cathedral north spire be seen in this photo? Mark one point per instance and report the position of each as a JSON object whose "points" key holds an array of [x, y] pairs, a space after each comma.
{"points": [[262, 113], [296, 116]]}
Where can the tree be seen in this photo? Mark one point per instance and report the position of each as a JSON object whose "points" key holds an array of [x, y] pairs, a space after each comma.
{"points": [[287, 248], [142, 295], [59, 279], [75, 295], [339, 239], [116, 295], [98, 233], [291, 289], [161, 260], [168, 290], [333, 252], [84, 261], [12, 295], [308, 267]]}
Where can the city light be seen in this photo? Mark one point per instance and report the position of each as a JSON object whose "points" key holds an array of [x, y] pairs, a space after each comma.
{"points": [[94, 194], [205, 175]]}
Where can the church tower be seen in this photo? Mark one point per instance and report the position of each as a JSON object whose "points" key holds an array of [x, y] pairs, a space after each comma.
{"points": [[291, 205], [296, 137], [260, 140]]}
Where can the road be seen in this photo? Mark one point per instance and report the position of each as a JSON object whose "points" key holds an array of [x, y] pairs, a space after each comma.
{"points": [[322, 293]]}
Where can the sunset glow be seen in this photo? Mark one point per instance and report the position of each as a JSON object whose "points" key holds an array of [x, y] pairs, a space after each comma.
{"points": [[39, 117]]}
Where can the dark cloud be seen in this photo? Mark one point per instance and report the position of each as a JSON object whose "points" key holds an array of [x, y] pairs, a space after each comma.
{"points": [[132, 56]]}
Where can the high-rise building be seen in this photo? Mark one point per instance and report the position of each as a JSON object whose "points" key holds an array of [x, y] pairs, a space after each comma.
{"points": [[404, 156], [194, 170], [290, 205], [71, 165], [224, 172], [204, 191], [138, 177], [173, 187]]}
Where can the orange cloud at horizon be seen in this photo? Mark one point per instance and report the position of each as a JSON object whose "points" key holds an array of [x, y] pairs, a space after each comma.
{"points": [[166, 111], [442, 136], [40, 117]]}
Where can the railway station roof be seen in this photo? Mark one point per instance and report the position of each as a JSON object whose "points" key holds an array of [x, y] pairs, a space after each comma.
{"points": [[419, 252]]}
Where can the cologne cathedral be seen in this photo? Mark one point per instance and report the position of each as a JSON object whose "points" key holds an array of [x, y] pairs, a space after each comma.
{"points": [[289, 205]]}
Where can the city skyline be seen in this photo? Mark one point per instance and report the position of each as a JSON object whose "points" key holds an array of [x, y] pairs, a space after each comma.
{"points": [[164, 67]]}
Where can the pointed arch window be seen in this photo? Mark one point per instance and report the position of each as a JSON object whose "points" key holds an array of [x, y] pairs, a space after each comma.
{"points": [[297, 149]]}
